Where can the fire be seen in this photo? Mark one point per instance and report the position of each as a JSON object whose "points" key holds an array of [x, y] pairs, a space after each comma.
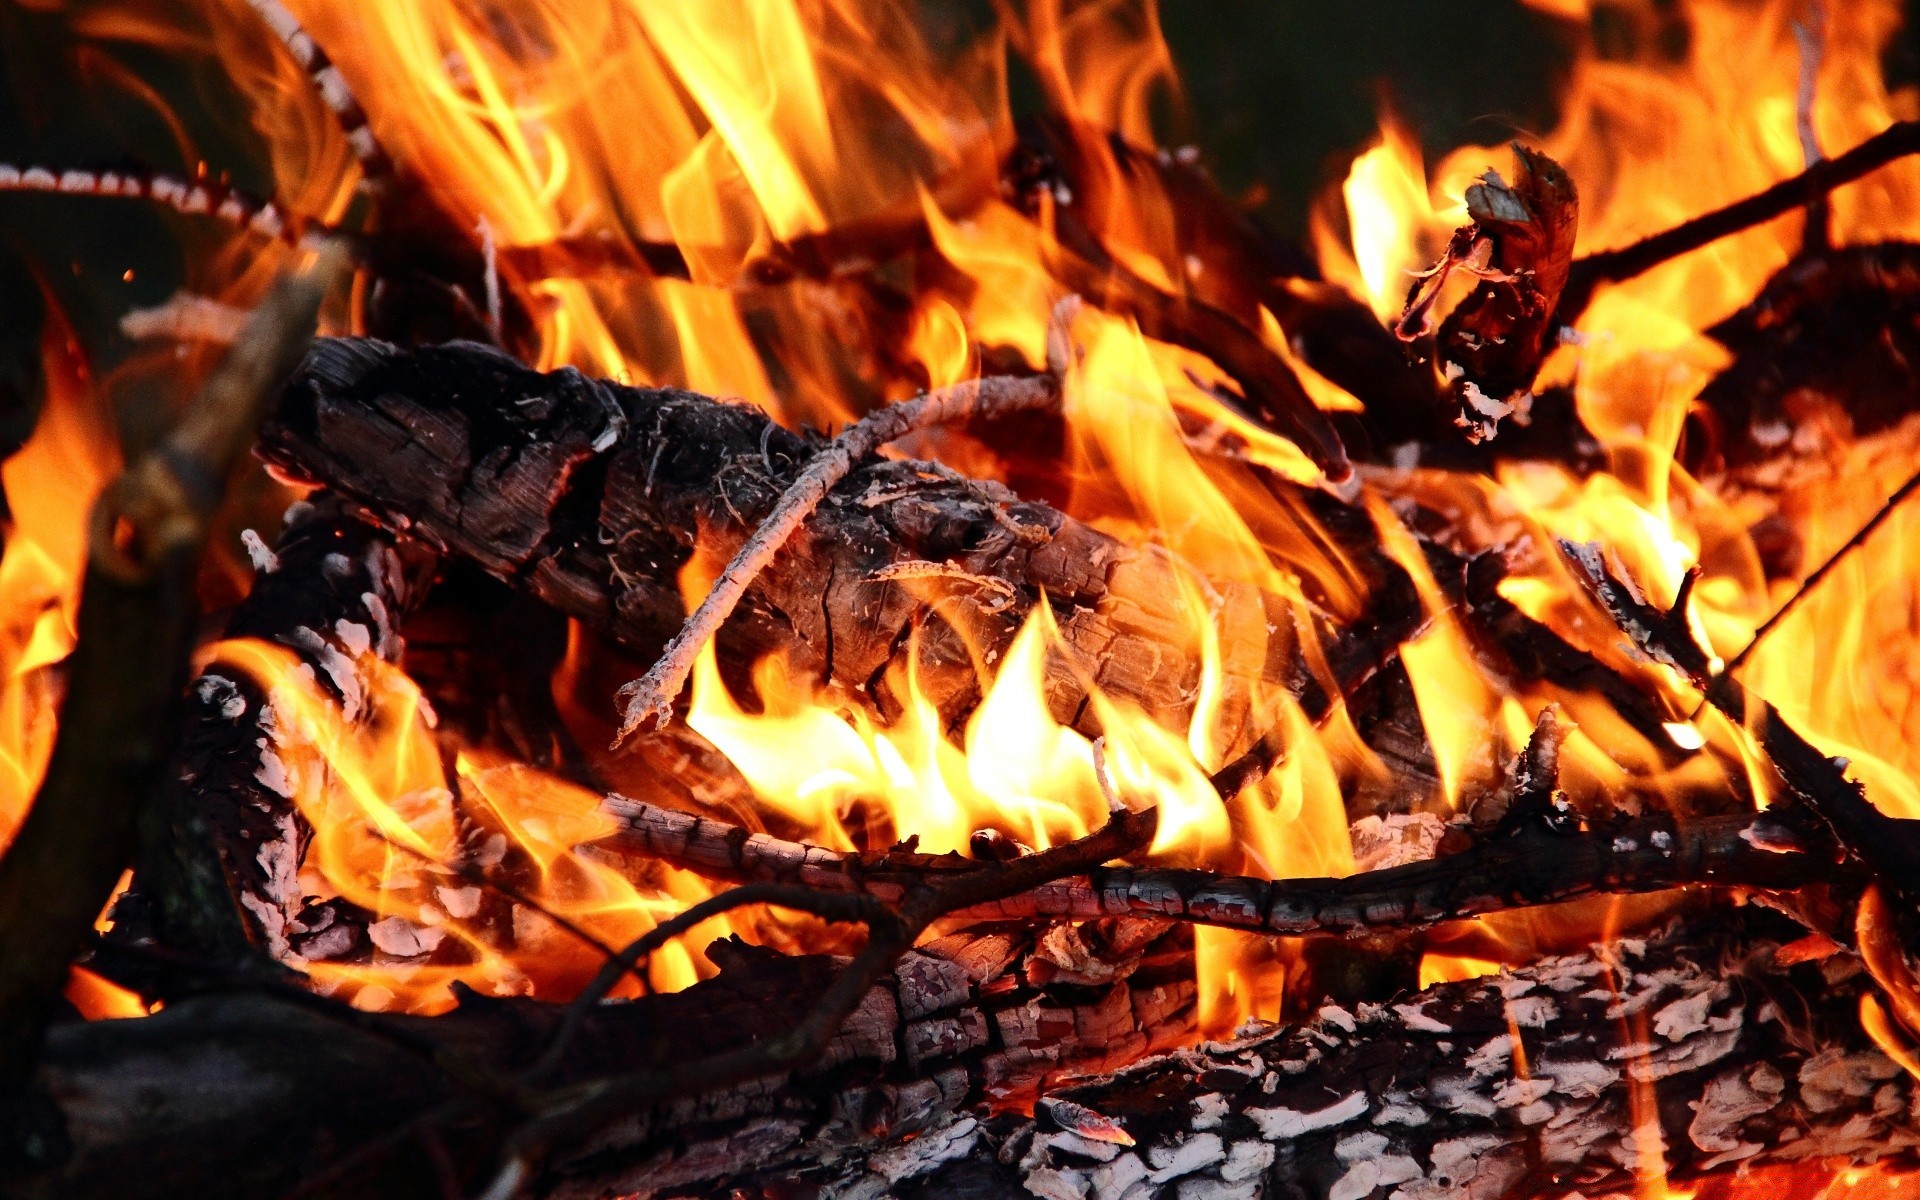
{"points": [[49, 483], [746, 138]]}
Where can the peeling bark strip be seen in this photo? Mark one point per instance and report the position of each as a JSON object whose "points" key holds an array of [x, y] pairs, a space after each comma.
{"points": [[1745, 1060], [1520, 247], [594, 495], [1531, 866]]}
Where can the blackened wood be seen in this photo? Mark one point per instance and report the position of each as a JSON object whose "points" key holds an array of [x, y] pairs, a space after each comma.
{"points": [[593, 496], [1561, 1079], [1526, 862]]}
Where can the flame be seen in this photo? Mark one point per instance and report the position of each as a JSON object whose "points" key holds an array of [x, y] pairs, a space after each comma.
{"points": [[50, 484], [415, 847], [756, 141]]}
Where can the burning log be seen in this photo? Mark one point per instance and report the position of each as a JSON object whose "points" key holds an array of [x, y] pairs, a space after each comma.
{"points": [[1527, 862], [1690, 1052], [332, 592], [1733, 1050], [594, 496]]}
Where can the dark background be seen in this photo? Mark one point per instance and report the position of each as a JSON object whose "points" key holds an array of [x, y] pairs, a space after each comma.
{"points": [[1278, 95]]}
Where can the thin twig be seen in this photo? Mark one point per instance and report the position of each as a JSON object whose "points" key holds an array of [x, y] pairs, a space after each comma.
{"points": [[1888, 847], [1616, 266], [1814, 580], [840, 907], [651, 697]]}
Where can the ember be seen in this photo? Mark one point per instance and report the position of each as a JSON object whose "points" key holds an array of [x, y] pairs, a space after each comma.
{"points": [[1432, 717]]}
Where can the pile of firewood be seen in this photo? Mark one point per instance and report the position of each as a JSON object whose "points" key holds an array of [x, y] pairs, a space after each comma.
{"points": [[1006, 1023]]}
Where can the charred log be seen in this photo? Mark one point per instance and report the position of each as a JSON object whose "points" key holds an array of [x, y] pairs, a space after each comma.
{"points": [[1703, 1046], [594, 496]]}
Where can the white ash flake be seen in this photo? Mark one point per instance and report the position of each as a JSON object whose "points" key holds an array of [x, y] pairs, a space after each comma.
{"points": [[1685, 1016], [1338, 1017], [1831, 1076], [1400, 1109], [1208, 1109], [339, 668], [1415, 1017], [261, 555], [1517, 1092], [1284, 1124], [1492, 1058], [1532, 1012], [1727, 1101], [354, 637], [1118, 1177], [1068, 1142], [1395, 841], [1084, 1121], [1197, 1153], [223, 694], [273, 773], [1370, 1167], [1053, 1183], [404, 939], [1246, 1160], [460, 903], [915, 1158], [1579, 1078]]}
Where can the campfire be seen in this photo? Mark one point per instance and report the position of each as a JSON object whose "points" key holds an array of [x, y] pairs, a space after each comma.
{"points": [[725, 618]]}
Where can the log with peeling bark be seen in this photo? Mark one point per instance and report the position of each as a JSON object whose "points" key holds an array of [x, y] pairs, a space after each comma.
{"points": [[1705, 1045], [245, 1094], [1751, 1056], [594, 496], [332, 592]]}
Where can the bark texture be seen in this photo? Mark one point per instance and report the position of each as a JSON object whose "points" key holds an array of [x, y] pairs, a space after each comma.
{"points": [[1560, 1079], [594, 496]]}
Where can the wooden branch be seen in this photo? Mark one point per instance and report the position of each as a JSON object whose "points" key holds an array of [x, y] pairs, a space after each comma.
{"points": [[226, 841], [136, 624], [1888, 847], [652, 696], [1566, 1078], [260, 1095], [1526, 866], [578, 1113], [1897, 141], [1812, 582], [332, 90]]}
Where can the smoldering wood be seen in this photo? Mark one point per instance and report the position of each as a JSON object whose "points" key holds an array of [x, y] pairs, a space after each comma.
{"points": [[244, 1094], [1502, 1088], [1524, 864], [332, 591], [1519, 248], [594, 496], [1833, 329], [248, 1096]]}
